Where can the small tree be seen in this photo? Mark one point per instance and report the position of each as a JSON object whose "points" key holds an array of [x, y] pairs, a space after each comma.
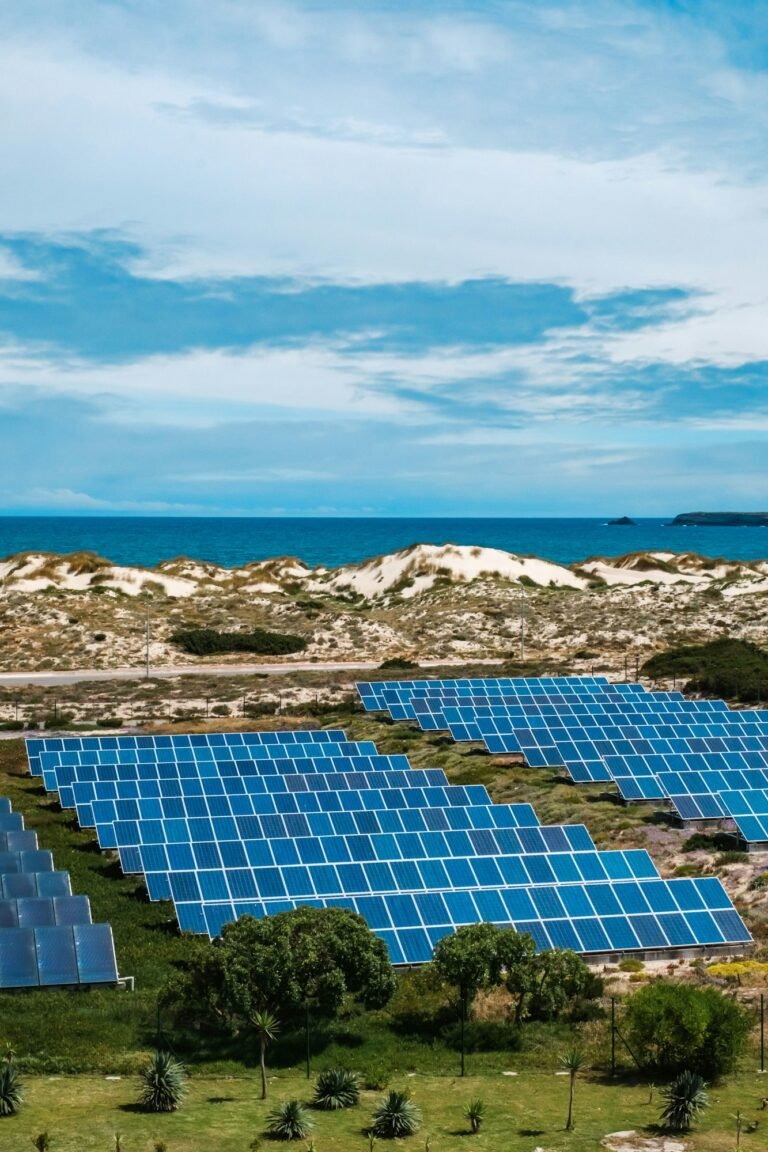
{"points": [[266, 1027], [684, 1099], [42, 1142], [572, 1063], [469, 958], [163, 1083]]}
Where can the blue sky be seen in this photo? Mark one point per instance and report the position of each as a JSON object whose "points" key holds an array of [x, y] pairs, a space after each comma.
{"points": [[489, 258]]}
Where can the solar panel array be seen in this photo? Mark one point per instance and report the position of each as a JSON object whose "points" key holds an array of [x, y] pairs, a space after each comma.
{"points": [[47, 937], [697, 755], [257, 823]]}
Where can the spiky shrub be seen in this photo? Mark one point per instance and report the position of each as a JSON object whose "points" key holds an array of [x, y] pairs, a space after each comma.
{"points": [[684, 1099], [336, 1088], [474, 1113], [10, 1089], [289, 1121], [42, 1142], [163, 1083], [396, 1116]]}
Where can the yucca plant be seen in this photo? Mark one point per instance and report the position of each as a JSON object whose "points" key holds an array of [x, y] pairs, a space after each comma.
{"points": [[684, 1099], [572, 1063], [336, 1088], [163, 1083], [266, 1027], [289, 1121], [396, 1116], [42, 1142], [475, 1114], [10, 1089]]}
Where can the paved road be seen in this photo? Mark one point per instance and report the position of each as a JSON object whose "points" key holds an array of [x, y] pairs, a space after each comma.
{"points": [[8, 679]]}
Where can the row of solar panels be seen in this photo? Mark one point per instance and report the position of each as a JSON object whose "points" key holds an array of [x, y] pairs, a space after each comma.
{"points": [[700, 756], [46, 935], [414, 865]]}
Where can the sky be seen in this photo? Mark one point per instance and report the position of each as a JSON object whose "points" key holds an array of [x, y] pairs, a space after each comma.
{"points": [[456, 258]]}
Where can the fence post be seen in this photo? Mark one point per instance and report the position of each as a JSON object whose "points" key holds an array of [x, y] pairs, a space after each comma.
{"points": [[613, 1036]]}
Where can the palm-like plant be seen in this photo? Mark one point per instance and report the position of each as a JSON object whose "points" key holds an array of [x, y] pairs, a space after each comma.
{"points": [[684, 1099], [475, 1114], [163, 1083], [42, 1142], [289, 1121], [10, 1088], [396, 1116], [572, 1063], [267, 1028], [336, 1088]]}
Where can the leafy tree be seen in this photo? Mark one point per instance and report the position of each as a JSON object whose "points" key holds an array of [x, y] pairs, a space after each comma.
{"points": [[572, 1063], [266, 1027], [516, 953], [676, 1027], [561, 979], [470, 959], [684, 1099]]}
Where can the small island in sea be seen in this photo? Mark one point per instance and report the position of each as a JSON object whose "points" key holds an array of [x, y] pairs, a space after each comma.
{"points": [[624, 522], [721, 520]]}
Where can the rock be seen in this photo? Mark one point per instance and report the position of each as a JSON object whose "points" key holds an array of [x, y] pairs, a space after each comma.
{"points": [[624, 522]]}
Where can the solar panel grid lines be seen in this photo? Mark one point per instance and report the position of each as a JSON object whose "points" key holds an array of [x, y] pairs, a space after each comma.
{"points": [[57, 955], [210, 834], [634, 916], [204, 882], [47, 937], [282, 841], [214, 740], [40, 911]]}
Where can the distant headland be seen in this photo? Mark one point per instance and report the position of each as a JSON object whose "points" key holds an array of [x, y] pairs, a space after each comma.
{"points": [[722, 519]]}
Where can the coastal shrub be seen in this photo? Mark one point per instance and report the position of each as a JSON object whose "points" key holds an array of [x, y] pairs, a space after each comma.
{"points": [[209, 641], [397, 662], [733, 668], [674, 1027]]}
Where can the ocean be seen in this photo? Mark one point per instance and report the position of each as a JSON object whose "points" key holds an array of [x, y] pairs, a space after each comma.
{"points": [[332, 542]]}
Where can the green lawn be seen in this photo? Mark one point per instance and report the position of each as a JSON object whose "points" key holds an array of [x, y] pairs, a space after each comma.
{"points": [[524, 1112]]}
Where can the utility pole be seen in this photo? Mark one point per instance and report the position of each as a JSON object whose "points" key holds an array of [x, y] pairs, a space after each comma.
{"points": [[522, 623], [147, 642]]}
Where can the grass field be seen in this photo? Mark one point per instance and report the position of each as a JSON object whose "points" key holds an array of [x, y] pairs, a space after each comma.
{"points": [[225, 1114]]}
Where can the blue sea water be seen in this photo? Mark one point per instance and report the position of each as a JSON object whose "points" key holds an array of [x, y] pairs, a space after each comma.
{"points": [[331, 542]]}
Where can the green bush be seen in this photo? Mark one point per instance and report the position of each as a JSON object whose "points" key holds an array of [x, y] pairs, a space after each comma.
{"points": [[395, 1117], [163, 1083], [631, 964], [676, 1027], [397, 662], [725, 667], [289, 1121], [208, 642], [336, 1088]]}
